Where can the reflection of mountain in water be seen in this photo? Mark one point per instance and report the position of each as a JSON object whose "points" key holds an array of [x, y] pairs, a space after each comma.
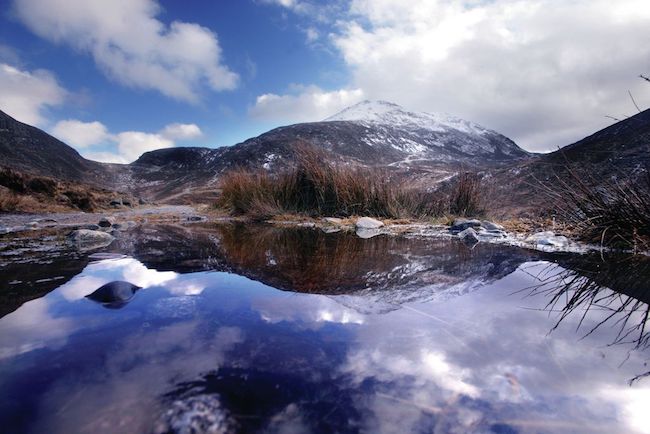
{"points": [[392, 269]]}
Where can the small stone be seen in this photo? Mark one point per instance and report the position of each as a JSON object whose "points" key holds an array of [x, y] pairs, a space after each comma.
{"points": [[490, 226], [106, 222], [117, 226], [469, 236], [493, 234], [195, 218], [368, 223], [330, 229], [461, 224], [47, 222], [116, 202], [87, 239], [333, 220], [32, 225], [548, 238], [92, 227]]}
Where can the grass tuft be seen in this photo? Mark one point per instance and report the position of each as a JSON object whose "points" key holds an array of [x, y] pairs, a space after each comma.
{"points": [[317, 187]]}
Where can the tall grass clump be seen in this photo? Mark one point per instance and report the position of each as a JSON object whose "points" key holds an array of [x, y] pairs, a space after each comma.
{"points": [[316, 187], [613, 211], [466, 198]]}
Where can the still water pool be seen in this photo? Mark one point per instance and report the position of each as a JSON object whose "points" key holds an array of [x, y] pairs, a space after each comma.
{"points": [[237, 328]]}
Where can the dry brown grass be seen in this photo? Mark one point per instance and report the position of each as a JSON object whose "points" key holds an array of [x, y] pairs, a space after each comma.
{"points": [[317, 187], [613, 211], [20, 192]]}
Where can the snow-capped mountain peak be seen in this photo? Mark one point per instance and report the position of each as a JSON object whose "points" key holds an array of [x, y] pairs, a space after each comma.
{"points": [[388, 113]]}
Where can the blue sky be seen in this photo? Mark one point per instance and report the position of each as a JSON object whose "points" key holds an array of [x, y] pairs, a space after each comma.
{"points": [[114, 78]]}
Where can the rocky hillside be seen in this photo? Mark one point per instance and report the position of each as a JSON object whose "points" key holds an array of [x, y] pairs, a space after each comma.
{"points": [[618, 151], [28, 149]]}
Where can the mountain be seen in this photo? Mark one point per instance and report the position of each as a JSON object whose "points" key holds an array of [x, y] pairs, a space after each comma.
{"points": [[410, 137], [422, 146], [618, 151], [28, 149]]}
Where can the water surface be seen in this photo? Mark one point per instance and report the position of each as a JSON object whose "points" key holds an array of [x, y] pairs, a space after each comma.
{"points": [[243, 329]]}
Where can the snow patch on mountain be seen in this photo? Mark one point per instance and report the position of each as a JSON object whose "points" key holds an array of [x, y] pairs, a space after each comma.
{"points": [[384, 112]]}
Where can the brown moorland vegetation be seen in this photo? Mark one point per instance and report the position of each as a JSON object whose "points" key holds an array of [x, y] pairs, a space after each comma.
{"points": [[317, 187], [20, 192]]}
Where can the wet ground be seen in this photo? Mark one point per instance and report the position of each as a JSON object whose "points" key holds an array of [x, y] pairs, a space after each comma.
{"points": [[241, 328]]}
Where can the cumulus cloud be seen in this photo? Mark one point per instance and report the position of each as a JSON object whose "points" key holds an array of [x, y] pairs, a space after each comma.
{"points": [[80, 134], [304, 104], [131, 46], [25, 95], [132, 144], [128, 145], [540, 71], [178, 131]]}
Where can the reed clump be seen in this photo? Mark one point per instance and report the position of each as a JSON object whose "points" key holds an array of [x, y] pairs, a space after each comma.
{"points": [[315, 186], [613, 211]]}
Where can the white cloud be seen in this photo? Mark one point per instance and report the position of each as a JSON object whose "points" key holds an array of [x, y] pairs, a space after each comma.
{"points": [[178, 131], [24, 95], [132, 46], [129, 145], [305, 104], [80, 134], [132, 144], [541, 71]]}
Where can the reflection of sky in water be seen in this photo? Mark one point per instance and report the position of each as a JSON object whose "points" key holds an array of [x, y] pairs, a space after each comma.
{"points": [[479, 362]]}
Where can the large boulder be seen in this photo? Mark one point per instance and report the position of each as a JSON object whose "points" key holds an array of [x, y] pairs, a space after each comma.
{"points": [[368, 223], [85, 239]]}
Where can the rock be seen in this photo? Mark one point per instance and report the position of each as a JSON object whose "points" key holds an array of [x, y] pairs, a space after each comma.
{"points": [[87, 239], [461, 224], [92, 227], [490, 226], [469, 236], [307, 225], [116, 202], [333, 220], [367, 233], [493, 234], [548, 238], [330, 229], [142, 201], [47, 222], [4, 230], [106, 222], [368, 223], [117, 226], [114, 295], [195, 218], [196, 414], [32, 225], [126, 202]]}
